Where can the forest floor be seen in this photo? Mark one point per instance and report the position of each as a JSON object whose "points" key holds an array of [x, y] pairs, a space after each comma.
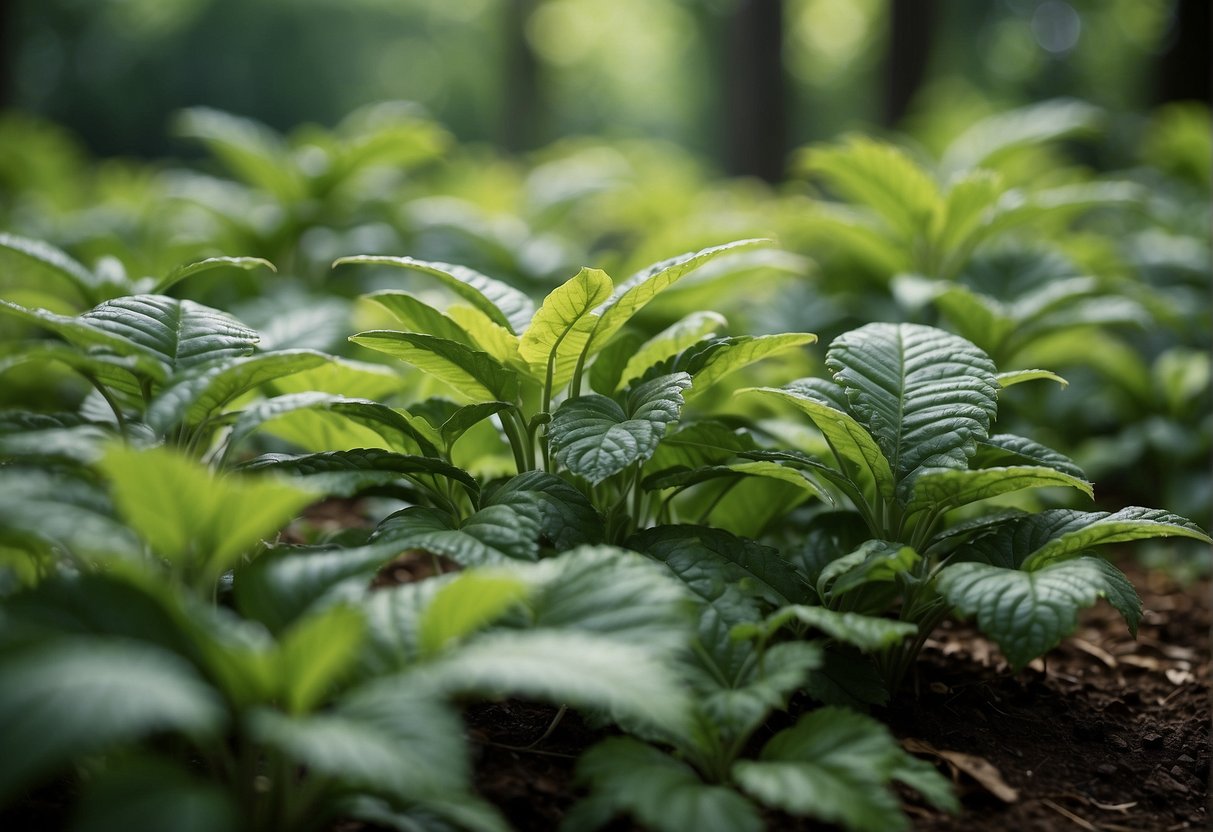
{"points": [[1109, 734]]}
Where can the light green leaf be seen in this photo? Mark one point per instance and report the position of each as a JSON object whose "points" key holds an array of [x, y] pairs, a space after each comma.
{"points": [[248, 148], [991, 139], [419, 316], [202, 393], [182, 272], [500, 301], [560, 330], [489, 335], [464, 606], [637, 291], [196, 519], [81, 696], [1019, 376], [626, 776], [341, 376], [879, 176], [315, 653], [38, 266], [493, 536], [595, 438], [732, 354], [866, 632], [926, 396], [1029, 613], [670, 342], [939, 490], [474, 375]]}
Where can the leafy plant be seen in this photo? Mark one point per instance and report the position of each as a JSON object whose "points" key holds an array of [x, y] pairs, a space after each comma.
{"points": [[907, 417]]}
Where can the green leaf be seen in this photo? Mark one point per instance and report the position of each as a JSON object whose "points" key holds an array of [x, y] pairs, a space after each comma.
{"points": [[557, 335], [341, 376], [1070, 532], [881, 177], [118, 799], [81, 696], [875, 561], [606, 373], [315, 653], [866, 632], [248, 148], [857, 453], [39, 267], [732, 471], [991, 139], [467, 417], [196, 519], [939, 490], [697, 444], [670, 342], [732, 354], [566, 516], [419, 316], [464, 606], [833, 765], [660, 792], [489, 335], [121, 373], [595, 438], [493, 536], [474, 375], [345, 473], [500, 301], [286, 582], [581, 669], [1029, 613], [926, 396], [637, 291], [180, 333], [202, 393], [182, 272], [1008, 449], [1020, 376]]}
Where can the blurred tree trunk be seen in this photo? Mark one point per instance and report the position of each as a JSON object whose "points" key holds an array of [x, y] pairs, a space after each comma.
{"points": [[1184, 71], [755, 91], [521, 102], [911, 26]]}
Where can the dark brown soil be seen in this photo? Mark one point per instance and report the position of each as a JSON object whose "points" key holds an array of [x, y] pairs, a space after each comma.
{"points": [[1111, 734]]}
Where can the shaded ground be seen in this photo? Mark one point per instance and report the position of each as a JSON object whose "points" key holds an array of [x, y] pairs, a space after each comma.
{"points": [[1111, 734]]}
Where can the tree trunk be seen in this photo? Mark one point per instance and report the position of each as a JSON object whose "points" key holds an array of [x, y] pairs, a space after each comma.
{"points": [[911, 25], [755, 99]]}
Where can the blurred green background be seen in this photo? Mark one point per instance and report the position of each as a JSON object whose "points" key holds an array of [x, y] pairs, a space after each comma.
{"points": [[738, 81]]}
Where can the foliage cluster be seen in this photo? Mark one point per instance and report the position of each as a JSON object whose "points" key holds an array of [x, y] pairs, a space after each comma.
{"points": [[678, 524]]}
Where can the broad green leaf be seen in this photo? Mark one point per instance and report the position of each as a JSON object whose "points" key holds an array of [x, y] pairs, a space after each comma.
{"points": [[1079, 531], [345, 473], [866, 632], [323, 421], [1008, 449], [875, 561], [1029, 613], [315, 653], [500, 301], [488, 335], [474, 375], [196, 519], [626, 776], [637, 291], [284, 583], [975, 316], [833, 765], [80, 696], [341, 376], [606, 373], [856, 451], [182, 272], [611, 592], [879, 176], [464, 606], [735, 470], [989, 140], [117, 372], [249, 149], [419, 316], [581, 669], [939, 490], [391, 743], [493, 536], [733, 354], [180, 333], [39, 267], [557, 335], [202, 393], [595, 438], [964, 209], [1019, 376], [118, 799], [82, 333], [693, 445], [566, 516], [670, 342], [467, 417], [926, 396]]}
